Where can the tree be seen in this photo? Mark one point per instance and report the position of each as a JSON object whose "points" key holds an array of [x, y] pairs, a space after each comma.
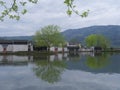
{"points": [[17, 8], [14, 9], [97, 40], [49, 36], [71, 8]]}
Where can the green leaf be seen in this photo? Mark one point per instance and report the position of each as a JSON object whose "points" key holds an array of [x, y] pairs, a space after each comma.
{"points": [[84, 14], [24, 11], [17, 17], [1, 18], [74, 6], [11, 16], [69, 12], [23, 3], [15, 8], [33, 1], [2, 3]]}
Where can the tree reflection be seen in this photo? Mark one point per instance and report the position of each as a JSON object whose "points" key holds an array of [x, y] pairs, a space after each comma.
{"points": [[74, 56], [49, 71], [100, 60]]}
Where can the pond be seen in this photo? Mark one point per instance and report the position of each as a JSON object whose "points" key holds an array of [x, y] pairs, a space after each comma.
{"points": [[75, 71]]}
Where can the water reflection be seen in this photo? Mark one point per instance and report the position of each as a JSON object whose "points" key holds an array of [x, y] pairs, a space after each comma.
{"points": [[14, 60], [82, 71], [73, 56], [48, 70], [98, 61]]}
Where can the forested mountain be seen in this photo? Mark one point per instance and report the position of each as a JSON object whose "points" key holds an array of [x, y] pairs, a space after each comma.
{"points": [[112, 32]]}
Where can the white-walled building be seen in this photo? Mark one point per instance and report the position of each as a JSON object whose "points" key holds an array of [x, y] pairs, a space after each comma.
{"points": [[15, 45], [59, 49]]}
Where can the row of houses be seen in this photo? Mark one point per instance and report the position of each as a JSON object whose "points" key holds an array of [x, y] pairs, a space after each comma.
{"points": [[25, 45]]}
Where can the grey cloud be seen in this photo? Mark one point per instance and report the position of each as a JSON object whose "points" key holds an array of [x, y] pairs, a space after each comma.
{"points": [[102, 12]]}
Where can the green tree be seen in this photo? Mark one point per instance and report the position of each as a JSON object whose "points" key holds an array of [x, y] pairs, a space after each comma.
{"points": [[49, 36], [15, 8], [97, 40], [71, 9]]}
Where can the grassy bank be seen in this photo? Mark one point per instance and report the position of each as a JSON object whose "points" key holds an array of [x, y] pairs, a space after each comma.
{"points": [[36, 53], [33, 53]]}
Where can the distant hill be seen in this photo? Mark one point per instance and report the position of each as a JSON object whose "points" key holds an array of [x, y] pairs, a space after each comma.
{"points": [[112, 32]]}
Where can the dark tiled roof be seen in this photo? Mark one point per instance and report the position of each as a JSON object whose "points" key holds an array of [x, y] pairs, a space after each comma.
{"points": [[14, 41]]}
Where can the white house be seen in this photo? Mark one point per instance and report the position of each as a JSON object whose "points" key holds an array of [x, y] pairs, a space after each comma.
{"points": [[15, 45], [59, 49], [74, 47]]}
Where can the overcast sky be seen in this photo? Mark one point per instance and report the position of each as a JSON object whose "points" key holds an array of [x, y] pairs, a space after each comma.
{"points": [[47, 12]]}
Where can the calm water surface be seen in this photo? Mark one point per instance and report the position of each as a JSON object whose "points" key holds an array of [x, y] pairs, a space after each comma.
{"points": [[83, 71]]}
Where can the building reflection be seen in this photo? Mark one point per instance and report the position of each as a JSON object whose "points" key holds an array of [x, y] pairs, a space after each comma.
{"points": [[50, 67], [15, 60], [98, 61], [49, 70], [24, 60]]}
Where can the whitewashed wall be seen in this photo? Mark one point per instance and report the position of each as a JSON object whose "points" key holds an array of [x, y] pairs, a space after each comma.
{"points": [[15, 48], [20, 48], [65, 49], [31, 47], [9, 48], [1, 48], [52, 48], [59, 49]]}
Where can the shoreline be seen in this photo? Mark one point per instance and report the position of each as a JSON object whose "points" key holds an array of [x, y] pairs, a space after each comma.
{"points": [[36, 53]]}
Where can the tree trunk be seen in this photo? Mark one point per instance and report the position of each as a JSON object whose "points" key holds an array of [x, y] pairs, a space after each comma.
{"points": [[48, 48]]}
